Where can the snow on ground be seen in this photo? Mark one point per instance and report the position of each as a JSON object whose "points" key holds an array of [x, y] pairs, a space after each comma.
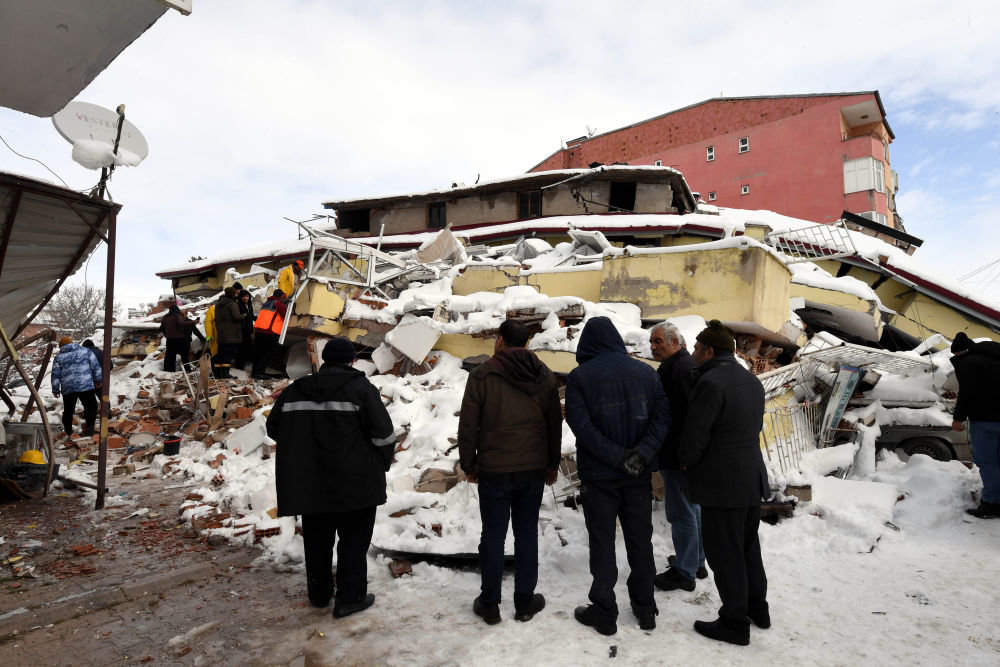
{"points": [[883, 566]]}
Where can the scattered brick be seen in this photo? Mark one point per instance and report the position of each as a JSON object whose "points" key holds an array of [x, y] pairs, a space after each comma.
{"points": [[116, 442], [244, 413], [400, 567], [143, 393]]}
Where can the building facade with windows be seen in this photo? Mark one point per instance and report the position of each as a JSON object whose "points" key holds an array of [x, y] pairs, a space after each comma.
{"points": [[601, 190], [805, 156]]}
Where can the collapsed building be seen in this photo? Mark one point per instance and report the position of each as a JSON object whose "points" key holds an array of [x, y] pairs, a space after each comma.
{"points": [[845, 329]]}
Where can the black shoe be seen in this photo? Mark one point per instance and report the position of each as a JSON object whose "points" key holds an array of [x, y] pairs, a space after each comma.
{"points": [[761, 617], [488, 611], [985, 511], [722, 632], [340, 610], [646, 616], [595, 618], [672, 579], [319, 604], [702, 573], [525, 609]]}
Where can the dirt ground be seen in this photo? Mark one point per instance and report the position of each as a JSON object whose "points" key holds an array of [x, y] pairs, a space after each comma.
{"points": [[110, 588]]}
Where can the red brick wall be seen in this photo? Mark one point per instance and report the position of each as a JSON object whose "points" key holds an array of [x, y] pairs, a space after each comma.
{"points": [[794, 166]]}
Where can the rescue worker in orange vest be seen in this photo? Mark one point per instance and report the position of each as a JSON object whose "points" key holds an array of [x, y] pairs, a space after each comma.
{"points": [[267, 330], [290, 277]]}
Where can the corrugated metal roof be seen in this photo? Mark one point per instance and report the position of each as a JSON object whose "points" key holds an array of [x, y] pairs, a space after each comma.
{"points": [[47, 234]]}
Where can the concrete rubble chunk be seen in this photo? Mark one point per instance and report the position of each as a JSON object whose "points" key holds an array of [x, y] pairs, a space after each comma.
{"points": [[415, 339]]}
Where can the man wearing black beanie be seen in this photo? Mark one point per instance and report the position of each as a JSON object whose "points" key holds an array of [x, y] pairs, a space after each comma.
{"points": [[335, 444], [720, 454]]}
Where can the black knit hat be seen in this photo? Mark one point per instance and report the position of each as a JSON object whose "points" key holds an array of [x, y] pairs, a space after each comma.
{"points": [[338, 351], [961, 343], [717, 335]]}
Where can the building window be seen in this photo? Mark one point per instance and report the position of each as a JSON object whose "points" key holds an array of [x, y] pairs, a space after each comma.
{"points": [[711, 196], [622, 196], [657, 163], [709, 153], [529, 204], [865, 173], [436, 215], [874, 216], [355, 221], [744, 189], [744, 145]]}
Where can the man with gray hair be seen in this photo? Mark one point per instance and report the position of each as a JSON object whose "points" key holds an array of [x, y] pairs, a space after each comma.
{"points": [[668, 346]]}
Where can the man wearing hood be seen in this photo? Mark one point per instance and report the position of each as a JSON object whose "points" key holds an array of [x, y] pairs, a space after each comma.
{"points": [[620, 416], [177, 329], [977, 367], [75, 375], [335, 444], [509, 437], [720, 454]]}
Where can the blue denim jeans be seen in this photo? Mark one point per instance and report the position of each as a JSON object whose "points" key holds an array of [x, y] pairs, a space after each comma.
{"points": [[502, 500], [986, 453], [685, 524]]}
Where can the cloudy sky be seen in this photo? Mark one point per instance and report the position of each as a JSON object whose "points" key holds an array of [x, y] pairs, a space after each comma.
{"points": [[260, 110]]}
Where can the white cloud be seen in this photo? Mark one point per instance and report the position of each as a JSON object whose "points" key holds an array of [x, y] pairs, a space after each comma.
{"points": [[258, 110]]}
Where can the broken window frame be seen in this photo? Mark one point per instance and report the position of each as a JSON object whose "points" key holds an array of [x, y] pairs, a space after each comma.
{"points": [[812, 242], [437, 215], [529, 204]]}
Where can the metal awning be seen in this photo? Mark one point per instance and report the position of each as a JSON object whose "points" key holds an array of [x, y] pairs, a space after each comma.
{"points": [[868, 358], [47, 233]]}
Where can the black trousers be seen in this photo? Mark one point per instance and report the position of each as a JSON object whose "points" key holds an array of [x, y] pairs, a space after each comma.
{"points": [[319, 532], [631, 503], [89, 402], [176, 346], [732, 548], [263, 351]]}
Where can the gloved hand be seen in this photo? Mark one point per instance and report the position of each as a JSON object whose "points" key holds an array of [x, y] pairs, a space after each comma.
{"points": [[633, 463]]}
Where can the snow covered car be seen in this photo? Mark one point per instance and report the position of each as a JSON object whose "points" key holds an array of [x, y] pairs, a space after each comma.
{"points": [[937, 442]]}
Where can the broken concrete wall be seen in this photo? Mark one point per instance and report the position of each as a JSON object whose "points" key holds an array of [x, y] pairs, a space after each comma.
{"points": [[585, 284], [732, 284]]}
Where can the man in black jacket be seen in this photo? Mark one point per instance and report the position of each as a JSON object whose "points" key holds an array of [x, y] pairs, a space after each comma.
{"points": [[668, 347], [509, 436], [335, 443], [977, 367], [720, 453], [620, 416]]}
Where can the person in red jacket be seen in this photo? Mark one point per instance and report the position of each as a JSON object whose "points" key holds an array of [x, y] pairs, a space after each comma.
{"points": [[267, 330]]}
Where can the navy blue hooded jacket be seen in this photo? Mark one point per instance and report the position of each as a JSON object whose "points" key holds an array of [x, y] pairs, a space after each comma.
{"points": [[613, 403]]}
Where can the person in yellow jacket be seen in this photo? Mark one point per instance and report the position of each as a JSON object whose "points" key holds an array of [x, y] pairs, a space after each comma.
{"points": [[211, 333], [290, 277]]}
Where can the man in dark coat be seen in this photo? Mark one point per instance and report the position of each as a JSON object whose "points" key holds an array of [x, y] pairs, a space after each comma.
{"points": [[720, 453], [89, 344], [244, 352], [509, 436], [620, 416], [177, 330], [977, 367], [335, 443], [668, 347], [229, 324]]}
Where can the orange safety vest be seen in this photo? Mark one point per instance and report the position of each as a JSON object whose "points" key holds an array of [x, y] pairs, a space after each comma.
{"points": [[269, 319]]}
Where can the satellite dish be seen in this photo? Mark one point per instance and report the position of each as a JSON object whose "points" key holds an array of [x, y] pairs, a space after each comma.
{"points": [[92, 130]]}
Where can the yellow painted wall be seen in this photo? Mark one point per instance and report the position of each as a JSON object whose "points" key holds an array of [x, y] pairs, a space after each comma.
{"points": [[923, 316], [584, 284], [730, 284], [318, 300]]}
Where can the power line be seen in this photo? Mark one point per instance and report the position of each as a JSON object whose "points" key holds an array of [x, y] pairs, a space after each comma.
{"points": [[35, 160]]}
